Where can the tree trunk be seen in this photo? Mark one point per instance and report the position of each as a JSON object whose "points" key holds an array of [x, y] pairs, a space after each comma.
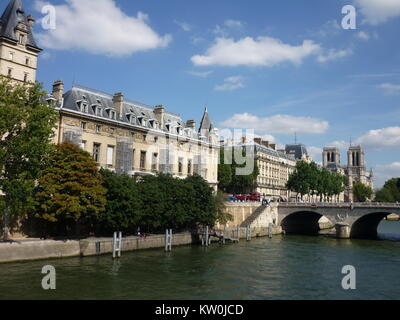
{"points": [[6, 230]]}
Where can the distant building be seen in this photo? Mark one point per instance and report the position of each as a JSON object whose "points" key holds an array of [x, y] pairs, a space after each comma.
{"points": [[299, 152], [355, 171]]}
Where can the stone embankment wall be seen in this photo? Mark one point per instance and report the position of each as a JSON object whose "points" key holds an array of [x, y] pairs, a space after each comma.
{"points": [[240, 211]]}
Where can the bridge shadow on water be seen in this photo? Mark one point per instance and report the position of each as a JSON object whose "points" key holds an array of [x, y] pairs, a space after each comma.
{"points": [[366, 227]]}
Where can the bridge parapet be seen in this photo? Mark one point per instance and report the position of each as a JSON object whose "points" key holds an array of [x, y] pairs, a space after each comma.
{"points": [[366, 205]]}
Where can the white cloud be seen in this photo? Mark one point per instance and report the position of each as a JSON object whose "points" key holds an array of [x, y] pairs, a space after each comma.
{"points": [[204, 74], [268, 137], [362, 35], [334, 54], [100, 27], [230, 84], [383, 173], [184, 25], [262, 51], [342, 145], [381, 138], [379, 11], [278, 124], [390, 88]]}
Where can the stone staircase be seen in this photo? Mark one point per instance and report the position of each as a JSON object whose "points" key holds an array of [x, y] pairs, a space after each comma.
{"points": [[253, 217]]}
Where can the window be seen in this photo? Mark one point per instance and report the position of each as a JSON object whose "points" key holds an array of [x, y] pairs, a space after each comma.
{"points": [[84, 107], [98, 128], [9, 72], [99, 111], [143, 160], [189, 167], [21, 39], [110, 156], [27, 61], [25, 77], [133, 159], [83, 125], [11, 56], [154, 162], [180, 166], [112, 130], [96, 152]]}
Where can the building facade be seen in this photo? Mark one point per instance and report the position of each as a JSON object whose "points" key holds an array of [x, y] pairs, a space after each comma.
{"points": [[132, 138], [355, 171], [18, 49]]}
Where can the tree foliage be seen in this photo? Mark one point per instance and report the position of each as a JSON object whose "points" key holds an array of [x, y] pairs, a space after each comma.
{"points": [[309, 179], [70, 191], [229, 175], [123, 204], [390, 191], [26, 127], [362, 192]]}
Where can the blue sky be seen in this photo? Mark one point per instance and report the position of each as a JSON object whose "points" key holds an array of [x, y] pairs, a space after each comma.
{"points": [[278, 67]]}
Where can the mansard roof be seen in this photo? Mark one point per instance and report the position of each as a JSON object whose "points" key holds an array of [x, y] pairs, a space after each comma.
{"points": [[14, 16], [94, 98]]}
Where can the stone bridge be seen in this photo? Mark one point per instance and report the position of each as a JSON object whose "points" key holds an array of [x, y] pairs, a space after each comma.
{"points": [[358, 220]]}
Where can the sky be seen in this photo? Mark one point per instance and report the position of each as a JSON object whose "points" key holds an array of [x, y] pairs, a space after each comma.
{"points": [[278, 67]]}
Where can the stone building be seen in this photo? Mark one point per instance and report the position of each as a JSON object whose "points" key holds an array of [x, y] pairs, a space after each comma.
{"points": [[133, 138], [274, 167], [18, 49], [355, 171]]}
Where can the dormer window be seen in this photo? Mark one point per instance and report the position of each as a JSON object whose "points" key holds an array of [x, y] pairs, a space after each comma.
{"points": [[131, 118], [113, 114], [84, 107], [168, 126], [152, 124], [99, 111]]}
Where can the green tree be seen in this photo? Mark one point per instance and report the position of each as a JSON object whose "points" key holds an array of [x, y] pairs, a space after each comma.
{"points": [[27, 125], [223, 216], [362, 192], [69, 195], [390, 191], [224, 172], [123, 204], [300, 180]]}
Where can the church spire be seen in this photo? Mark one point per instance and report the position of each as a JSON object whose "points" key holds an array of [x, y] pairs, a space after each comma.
{"points": [[206, 125]]}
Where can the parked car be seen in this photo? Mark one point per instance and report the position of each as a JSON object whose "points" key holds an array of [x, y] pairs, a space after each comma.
{"points": [[240, 197], [255, 196]]}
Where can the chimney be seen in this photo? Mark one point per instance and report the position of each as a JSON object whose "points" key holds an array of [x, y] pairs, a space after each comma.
{"points": [[244, 140], [258, 140], [265, 143], [118, 103], [191, 124], [159, 113], [58, 91], [273, 146], [31, 20]]}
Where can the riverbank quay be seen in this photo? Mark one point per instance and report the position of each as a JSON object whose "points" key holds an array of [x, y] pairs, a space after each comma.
{"points": [[28, 250]]}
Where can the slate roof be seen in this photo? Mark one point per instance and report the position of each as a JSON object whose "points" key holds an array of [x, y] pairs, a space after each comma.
{"points": [[12, 16], [298, 150], [94, 98], [206, 125]]}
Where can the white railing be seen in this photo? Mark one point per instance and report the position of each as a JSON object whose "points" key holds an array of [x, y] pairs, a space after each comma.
{"points": [[341, 204]]}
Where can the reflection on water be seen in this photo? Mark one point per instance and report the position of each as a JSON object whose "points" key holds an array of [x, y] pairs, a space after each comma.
{"points": [[285, 267]]}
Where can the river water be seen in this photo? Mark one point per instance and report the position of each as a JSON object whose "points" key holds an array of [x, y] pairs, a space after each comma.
{"points": [[285, 267]]}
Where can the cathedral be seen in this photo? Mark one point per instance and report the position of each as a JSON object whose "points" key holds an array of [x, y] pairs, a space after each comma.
{"points": [[355, 171]]}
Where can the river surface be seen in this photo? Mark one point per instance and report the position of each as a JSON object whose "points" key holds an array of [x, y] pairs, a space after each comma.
{"points": [[285, 267]]}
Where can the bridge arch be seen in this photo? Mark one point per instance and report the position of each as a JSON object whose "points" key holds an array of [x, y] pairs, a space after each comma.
{"points": [[366, 227], [302, 222]]}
